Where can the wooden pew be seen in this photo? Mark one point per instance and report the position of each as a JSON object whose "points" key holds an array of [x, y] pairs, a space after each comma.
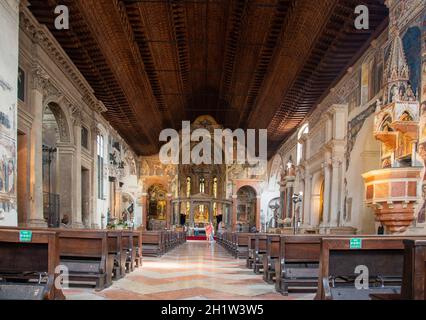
{"points": [[242, 245], [116, 250], [297, 265], [127, 243], [414, 279], [271, 256], [251, 244], [382, 255], [152, 243], [27, 269], [259, 251], [137, 246], [414, 273], [85, 254]]}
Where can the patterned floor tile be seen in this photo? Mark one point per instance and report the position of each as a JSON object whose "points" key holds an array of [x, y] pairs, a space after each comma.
{"points": [[196, 270]]}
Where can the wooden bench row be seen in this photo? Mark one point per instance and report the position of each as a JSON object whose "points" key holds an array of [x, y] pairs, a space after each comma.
{"points": [[157, 243], [30, 257], [236, 243], [330, 265]]}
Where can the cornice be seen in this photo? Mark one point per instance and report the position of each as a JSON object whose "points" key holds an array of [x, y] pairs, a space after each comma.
{"points": [[42, 36]]}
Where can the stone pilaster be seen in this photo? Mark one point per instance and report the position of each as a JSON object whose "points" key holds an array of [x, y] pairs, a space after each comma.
{"points": [[76, 119], [307, 200], [39, 83], [335, 192], [94, 132], [326, 199]]}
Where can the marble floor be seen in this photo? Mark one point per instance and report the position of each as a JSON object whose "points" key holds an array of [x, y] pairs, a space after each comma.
{"points": [[194, 270]]}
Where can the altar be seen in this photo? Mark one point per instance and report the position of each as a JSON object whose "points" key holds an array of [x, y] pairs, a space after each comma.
{"points": [[199, 210], [198, 231]]}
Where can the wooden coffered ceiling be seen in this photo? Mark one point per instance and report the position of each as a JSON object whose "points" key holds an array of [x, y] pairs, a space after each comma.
{"points": [[249, 64]]}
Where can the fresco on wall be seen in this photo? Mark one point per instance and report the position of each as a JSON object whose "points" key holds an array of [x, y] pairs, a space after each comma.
{"points": [[412, 48], [8, 102]]}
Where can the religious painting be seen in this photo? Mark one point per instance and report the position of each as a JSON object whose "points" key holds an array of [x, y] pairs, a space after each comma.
{"points": [[7, 166], [157, 202]]}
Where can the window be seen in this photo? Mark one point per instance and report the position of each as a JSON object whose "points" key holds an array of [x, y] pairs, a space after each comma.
{"points": [[202, 185], [302, 131], [84, 137], [100, 153]]}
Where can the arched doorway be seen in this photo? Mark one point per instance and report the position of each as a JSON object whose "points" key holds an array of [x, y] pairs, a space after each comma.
{"points": [[56, 167], [156, 207], [246, 208]]}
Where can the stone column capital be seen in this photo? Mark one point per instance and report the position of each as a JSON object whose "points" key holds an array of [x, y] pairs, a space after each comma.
{"points": [[40, 79], [76, 115]]}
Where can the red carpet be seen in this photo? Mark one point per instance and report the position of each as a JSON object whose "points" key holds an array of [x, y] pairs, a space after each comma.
{"points": [[199, 238]]}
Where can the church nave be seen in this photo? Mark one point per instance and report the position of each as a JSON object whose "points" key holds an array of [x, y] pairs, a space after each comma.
{"points": [[196, 270]]}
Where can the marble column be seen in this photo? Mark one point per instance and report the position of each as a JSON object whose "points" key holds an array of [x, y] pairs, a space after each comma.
{"points": [[40, 81], [307, 200], [334, 192], [326, 200], [76, 214], [94, 194]]}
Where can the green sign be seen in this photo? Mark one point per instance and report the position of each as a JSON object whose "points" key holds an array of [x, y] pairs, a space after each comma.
{"points": [[25, 235], [355, 243]]}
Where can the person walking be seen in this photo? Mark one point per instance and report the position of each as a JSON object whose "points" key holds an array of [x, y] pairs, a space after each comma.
{"points": [[209, 230]]}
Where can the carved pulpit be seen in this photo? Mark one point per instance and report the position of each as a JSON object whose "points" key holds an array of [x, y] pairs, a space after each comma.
{"points": [[393, 190]]}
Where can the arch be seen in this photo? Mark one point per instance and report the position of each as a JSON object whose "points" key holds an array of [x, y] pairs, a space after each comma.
{"points": [[246, 208], [385, 122], [406, 116], [304, 129], [62, 120], [275, 172], [57, 175]]}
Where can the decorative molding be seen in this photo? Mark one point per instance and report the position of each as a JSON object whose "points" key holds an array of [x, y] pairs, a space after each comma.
{"points": [[41, 35], [40, 79]]}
